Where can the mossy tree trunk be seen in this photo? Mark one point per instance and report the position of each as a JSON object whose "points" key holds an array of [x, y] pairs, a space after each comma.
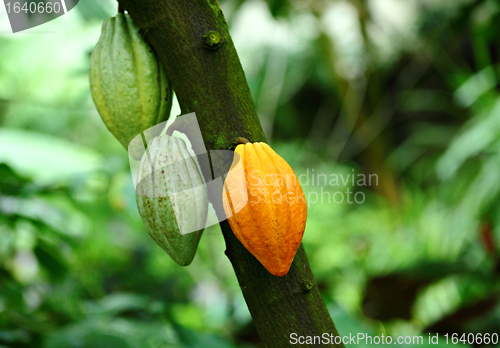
{"points": [[192, 41]]}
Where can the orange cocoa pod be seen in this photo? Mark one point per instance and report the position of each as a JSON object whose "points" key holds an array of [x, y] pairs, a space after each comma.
{"points": [[265, 206]]}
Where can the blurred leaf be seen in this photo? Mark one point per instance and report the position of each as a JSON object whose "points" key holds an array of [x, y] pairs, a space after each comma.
{"points": [[475, 86], [457, 321], [480, 133], [50, 258], [96, 10], [10, 182], [44, 158]]}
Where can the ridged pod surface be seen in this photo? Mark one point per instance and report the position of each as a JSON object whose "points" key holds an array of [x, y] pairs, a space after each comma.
{"points": [[172, 198], [272, 222], [128, 85]]}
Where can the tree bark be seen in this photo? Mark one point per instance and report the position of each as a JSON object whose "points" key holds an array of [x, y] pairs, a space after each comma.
{"points": [[192, 41]]}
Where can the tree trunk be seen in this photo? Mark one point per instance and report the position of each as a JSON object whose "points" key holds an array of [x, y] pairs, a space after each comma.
{"points": [[192, 41]]}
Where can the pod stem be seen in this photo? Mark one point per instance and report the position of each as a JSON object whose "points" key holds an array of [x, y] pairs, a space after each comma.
{"points": [[165, 130], [241, 141], [238, 141]]}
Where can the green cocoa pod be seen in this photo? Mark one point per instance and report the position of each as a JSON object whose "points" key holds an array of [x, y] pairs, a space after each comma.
{"points": [[128, 85], [172, 197]]}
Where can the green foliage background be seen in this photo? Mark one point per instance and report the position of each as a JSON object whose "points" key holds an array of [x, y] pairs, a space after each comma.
{"points": [[404, 89]]}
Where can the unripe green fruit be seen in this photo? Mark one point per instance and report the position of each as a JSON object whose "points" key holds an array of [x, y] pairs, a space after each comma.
{"points": [[128, 85], [172, 197]]}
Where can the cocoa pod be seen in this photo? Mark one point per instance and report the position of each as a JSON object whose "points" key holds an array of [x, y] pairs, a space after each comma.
{"points": [[172, 198], [128, 84], [265, 206]]}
